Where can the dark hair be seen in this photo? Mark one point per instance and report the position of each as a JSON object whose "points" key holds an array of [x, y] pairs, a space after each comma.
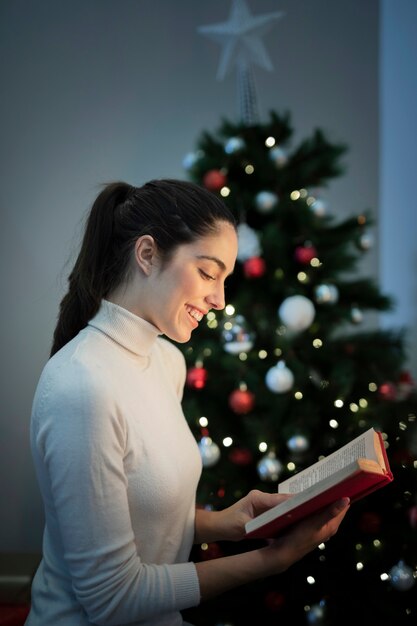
{"points": [[173, 212]]}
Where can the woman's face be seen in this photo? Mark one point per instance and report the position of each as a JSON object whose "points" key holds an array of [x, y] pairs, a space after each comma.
{"points": [[191, 283]]}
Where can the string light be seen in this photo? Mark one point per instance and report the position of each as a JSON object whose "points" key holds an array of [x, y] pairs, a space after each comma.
{"points": [[317, 343], [311, 580], [269, 142], [262, 354], [243, 356], [298, 395], [334, 424], [249, 169], [338, 403], [225, 191], [363, 403], [227, 442], [291, 466], [203, 421], [372, 387], [229, 310], [354, 407], [263, 447], [359, 566], [295, 195]]}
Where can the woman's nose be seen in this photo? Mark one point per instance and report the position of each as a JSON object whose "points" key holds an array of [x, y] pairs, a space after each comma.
{"points": [[216, 299]]}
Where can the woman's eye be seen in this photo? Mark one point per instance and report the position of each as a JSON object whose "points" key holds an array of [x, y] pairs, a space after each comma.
{"points": [[206, 276]]}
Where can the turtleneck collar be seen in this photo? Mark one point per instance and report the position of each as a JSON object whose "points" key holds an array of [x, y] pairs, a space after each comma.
{"points": [[127, 329]]}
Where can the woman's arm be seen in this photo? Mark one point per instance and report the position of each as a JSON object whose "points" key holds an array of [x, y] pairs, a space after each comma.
{"points": [[221, 574]]}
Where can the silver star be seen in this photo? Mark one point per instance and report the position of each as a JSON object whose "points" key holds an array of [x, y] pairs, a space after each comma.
{"points": [[240, 37]]}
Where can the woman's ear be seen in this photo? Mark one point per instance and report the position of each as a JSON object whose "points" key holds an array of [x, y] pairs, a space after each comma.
{"points": [[145, 253]]}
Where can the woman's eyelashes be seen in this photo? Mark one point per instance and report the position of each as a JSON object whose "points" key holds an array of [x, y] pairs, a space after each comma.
{"points": [[206, 276]]}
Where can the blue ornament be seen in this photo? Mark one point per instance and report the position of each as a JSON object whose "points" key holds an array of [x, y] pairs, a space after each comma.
{"points": [[234, 144]]}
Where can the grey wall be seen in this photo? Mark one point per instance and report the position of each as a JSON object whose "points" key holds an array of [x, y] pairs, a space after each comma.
{"points": [[95, 90]]}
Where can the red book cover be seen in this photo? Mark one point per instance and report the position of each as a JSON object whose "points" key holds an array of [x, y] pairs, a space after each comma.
{"points": [[355, 480]]}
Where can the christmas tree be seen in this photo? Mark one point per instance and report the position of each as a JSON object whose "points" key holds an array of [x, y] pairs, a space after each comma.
{"points": [[289, 372]]}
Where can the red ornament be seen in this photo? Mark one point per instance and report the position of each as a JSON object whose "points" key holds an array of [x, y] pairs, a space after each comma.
{"points": [[405, 386], [304, 254], [210, 551], [197, 377], [412, 515], [254, 267], [274, 600], [241, 456], [241, 401], [387, 391], [370, 523], [214, 180]]}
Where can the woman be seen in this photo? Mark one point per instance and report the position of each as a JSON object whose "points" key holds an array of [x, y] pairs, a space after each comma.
{"points": [[116, 462]]}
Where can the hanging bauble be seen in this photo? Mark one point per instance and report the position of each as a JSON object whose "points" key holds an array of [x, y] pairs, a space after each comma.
{"points": [[326, 294], [197, 377], [214, 180], [278, 156], [412, 516], [234, 144], [370, 523], [304, 254], [274, 600], [248, 242], [254, 267], [387, 391], [236, 335], [316, 614], [241, 401], [190, 160], [240, 456], [405, 386], [402, 576], [279, 379], [269, 467], [209, 451], [318, 207], [210, 551], [297, 313], [356, 315], [298, 443], [365, 241], [266, 201]]}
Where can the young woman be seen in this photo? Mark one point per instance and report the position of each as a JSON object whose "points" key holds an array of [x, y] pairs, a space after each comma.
{"points": [[116, 462]]}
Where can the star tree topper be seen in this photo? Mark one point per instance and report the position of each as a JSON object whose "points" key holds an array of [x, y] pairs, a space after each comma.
{"points": [[240, 37]]}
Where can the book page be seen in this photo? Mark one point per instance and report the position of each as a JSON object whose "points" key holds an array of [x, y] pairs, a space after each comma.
{"points": [[361, 447]]}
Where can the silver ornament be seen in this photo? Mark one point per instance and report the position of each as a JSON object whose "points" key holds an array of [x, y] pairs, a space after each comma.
{"points": [[269, 467], [209, 451], [279, 379], [318, 207], [326, 294], [298, 443], [265, 201], [356, 315], [237, 337], [365, 241], [278, 156], [402, 576], [297, 313], [248, 242]]}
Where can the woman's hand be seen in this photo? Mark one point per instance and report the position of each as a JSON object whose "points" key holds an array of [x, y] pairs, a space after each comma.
{"points": [[229, 524]]}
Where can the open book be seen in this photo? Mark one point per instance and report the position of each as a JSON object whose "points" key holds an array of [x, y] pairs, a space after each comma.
{"points": [[353, 471]]}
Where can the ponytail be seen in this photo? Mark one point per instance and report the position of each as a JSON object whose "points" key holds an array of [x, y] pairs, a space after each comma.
{"points": [[91, 278], [173, 212]]}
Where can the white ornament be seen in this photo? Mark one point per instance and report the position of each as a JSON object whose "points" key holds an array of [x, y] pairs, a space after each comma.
{"points": [[297, 313], [279, 379], [269, 467], [209, 451], [265, 201], [366, 241], [248, 242]]}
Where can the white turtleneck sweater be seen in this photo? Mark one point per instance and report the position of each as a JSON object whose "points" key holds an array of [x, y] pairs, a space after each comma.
{"points": [[118, 468]]}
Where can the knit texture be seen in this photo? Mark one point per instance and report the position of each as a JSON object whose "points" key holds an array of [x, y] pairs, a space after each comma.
{"points": [[118, 468]]}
